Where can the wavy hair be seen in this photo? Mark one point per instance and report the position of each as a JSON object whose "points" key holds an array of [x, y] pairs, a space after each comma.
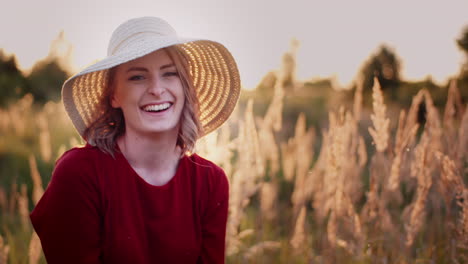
{"points": [[110, 125]]}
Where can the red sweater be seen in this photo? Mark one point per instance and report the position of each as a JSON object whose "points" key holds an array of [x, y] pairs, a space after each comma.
{"points": [[96, 209]]}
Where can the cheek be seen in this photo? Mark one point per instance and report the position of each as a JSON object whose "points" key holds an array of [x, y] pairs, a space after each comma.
{"points": [[120, 97], [180, 92]]}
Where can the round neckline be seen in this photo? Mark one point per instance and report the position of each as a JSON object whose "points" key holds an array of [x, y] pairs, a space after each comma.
{"points": [[140, 179]]}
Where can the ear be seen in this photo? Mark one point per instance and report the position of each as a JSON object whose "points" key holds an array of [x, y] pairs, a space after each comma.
{"points": [[112, 89], [114, 102]]}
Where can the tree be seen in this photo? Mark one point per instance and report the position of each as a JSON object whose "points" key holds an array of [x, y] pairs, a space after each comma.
{"points": [[462, 43], [384, 65], [46, 80], [12, 82]]}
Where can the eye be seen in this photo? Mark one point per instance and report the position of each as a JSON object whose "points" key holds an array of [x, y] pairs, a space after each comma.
{"points": [[136, 78], [171, 73]]}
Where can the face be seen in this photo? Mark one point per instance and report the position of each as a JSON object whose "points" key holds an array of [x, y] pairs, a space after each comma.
{"points": [[150, 93]]}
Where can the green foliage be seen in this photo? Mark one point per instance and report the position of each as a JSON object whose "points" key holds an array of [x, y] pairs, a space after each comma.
{"points": [[385, 65], [12, 82], [463, 78], [46, 81], [463, 41]]}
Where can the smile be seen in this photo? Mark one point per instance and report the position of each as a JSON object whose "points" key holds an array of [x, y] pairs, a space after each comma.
{"points": [[156, 107]]}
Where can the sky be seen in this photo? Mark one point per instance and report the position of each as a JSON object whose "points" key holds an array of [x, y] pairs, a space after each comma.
{"points": [[336, 37]]}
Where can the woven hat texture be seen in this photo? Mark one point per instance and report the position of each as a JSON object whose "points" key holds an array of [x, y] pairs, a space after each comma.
{"points": [[212, 68]]}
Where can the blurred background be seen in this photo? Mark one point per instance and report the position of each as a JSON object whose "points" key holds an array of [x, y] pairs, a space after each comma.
{"points": [[348, 144]]}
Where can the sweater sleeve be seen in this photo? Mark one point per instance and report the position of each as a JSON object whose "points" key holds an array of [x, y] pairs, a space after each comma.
{"points": [[214, 220], [67, 218]]}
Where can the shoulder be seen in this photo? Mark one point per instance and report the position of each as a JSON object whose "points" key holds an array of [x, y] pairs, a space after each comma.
{"points": [[205, 166], [80, 164], [208, 172], [203, 163], [80, 156]]}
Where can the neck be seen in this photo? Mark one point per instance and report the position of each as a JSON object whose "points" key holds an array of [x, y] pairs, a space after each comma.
{"points": [[156, 153]]}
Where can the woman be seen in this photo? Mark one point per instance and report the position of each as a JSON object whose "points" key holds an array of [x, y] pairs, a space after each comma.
{"points": [[135, 193]]}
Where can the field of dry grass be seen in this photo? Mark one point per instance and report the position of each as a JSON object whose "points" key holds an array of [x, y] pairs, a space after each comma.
{"points": [[382, 188]]}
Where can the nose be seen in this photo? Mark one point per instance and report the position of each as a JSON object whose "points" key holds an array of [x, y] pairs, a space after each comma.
{"points": [[156, 87]]}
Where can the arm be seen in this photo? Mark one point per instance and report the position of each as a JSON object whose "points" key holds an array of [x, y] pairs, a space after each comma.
{"points": [[67, 218], [214, 220]]}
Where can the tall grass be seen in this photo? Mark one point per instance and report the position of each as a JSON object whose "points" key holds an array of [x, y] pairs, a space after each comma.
{"points": [[381, 189]]}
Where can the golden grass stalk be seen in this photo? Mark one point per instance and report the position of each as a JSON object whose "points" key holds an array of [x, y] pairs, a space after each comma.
{"points": [[272, 122], [362, 152], [35, 249], [236, 206], [268, 199], [3, 199], [461, 154], [334, 186], [453, 110], [394, 179], [4, 121], [462, 223], [342, 170], [332, 229], [273, 118], [412, 117], [4, 251], [44, 137], [404, 137], [303, 156], [417, 208], [38, 190], [400, 132], [451, 182], [288, 159], [299, 236], [246, 233], [261, 248], [218, 147], [336, 174], [433, 125], [316, 181], [380, 132], [453, 188], [23, 206], [375, 213], [357, 105], [18, 112], [269, 149], [13, 197], [245, 181]]}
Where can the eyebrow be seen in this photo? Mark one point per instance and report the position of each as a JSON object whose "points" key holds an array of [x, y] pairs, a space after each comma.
{"points": [[145, 69], [167, 66]]}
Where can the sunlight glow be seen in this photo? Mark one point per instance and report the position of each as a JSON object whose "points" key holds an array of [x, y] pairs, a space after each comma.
{"points": [[336, 37]]}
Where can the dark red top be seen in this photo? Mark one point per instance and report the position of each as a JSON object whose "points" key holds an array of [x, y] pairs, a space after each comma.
{"points": [[97, 209]]}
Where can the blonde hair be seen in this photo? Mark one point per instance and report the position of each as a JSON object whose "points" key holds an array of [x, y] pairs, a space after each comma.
{"points": [[105, 130]]}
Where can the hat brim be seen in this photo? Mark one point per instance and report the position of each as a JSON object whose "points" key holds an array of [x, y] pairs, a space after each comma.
{"points": [[213, 70]]}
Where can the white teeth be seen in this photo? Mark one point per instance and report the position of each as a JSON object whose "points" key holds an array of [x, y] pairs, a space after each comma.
{"points": [[155, 108]]}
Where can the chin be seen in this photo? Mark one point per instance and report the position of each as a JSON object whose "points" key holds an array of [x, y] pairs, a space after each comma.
{"points": [[162, 129]]}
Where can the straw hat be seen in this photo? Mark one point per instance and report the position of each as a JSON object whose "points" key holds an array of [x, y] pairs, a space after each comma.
{"points": [[212, 67]]}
